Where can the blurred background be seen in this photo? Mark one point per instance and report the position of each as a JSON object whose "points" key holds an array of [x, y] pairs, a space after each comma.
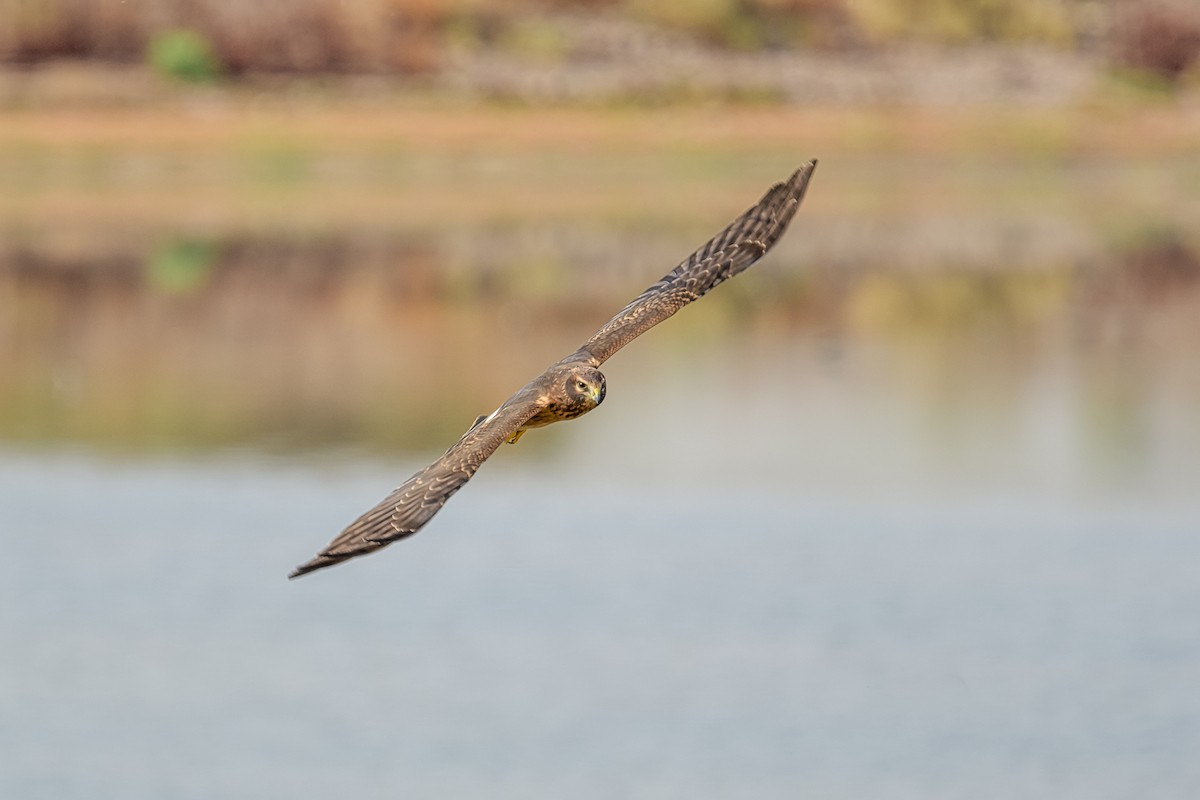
{"points": [[908, 511]]}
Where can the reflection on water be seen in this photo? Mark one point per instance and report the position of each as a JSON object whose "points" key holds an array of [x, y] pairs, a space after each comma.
{"points": [[395, 342], [907, 511]]}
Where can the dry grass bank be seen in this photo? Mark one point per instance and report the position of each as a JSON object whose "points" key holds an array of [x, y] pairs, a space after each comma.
{"points": [[243, 164], [202, 122]]}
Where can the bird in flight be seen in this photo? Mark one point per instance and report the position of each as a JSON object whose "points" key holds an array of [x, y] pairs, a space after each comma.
{"points": [[573, 386]]}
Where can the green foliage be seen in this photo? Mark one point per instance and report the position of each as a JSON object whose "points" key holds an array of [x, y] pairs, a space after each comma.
{"points": [[964, 21], [184, 54], [1133, 84], [535, 40], [181, 266]]}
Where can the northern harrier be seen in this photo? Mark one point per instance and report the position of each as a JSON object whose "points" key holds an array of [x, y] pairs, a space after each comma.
{"points": [[573, 386]]}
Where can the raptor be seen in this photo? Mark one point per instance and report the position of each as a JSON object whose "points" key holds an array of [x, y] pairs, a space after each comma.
{"points": [[574, 385]]}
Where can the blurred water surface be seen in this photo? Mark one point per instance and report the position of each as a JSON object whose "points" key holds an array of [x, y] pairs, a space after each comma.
{"points": [[909, 510]]}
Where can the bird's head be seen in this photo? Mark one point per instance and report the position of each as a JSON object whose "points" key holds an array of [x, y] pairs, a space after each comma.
{"points": [[584, 386]]}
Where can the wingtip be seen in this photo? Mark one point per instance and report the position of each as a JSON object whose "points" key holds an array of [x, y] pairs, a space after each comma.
{"points": [[798, 183], [805, 170], [797, 180], [311, 566]]}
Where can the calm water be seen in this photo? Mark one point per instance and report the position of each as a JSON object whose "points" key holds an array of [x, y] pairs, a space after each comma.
{"points": [[909, 511], [803, 584]]}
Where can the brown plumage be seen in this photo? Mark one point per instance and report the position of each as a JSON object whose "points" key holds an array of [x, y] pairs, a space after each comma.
{"points": [[574, 385]]}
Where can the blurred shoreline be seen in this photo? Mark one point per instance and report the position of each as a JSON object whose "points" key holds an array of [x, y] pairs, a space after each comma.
{"points": [[257, 260], [72, 101]]}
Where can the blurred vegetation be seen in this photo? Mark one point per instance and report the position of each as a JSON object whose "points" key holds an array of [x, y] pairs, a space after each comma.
{"points": [[270, 340], [181, 265], [841, 24], [416, 36], [292, 36], [1057, 22], [183, 54], [1160, 38]]}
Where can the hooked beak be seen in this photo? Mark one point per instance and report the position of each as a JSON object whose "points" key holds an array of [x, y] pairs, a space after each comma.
{"points": [[598, 393]]}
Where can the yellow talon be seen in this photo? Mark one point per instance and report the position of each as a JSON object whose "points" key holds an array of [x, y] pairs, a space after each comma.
{"points": [[513, 439]]}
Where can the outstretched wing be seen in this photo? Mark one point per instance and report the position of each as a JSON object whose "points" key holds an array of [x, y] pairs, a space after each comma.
{"points": [[406, 510], [743, 242]]}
